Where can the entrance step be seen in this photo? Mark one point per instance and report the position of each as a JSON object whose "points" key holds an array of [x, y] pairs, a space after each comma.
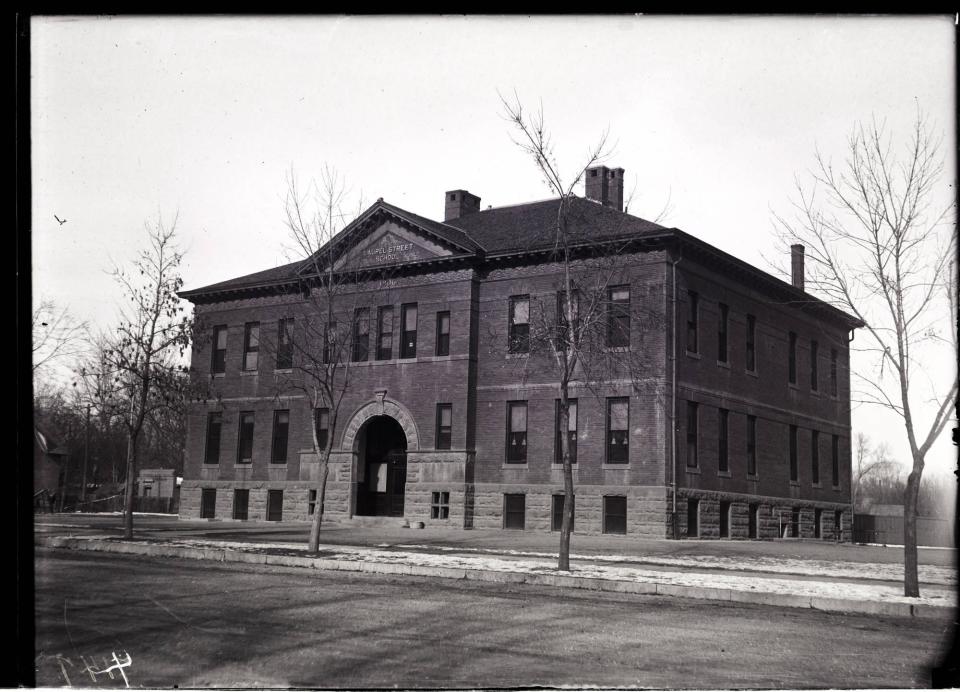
{"points": [[372, 522]]}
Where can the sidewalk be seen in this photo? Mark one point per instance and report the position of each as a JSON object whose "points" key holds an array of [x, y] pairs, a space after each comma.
{"points": [[833, 585]]}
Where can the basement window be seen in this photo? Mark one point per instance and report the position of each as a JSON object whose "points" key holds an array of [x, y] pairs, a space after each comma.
{"points": [[557, 520], [440, 505], [514, 510], [615, 514], [208, 503]]}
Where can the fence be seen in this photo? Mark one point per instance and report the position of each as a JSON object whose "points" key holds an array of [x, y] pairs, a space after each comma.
{"points": [[888, 530], [115, 503]]}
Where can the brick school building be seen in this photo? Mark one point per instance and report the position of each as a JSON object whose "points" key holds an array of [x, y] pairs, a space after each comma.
{"points": [[739, 426]]}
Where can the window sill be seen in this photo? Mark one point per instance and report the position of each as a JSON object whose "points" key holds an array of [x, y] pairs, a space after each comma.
{"points": [[249, 373], [515, 356], [752, 373], [558, 466], [837, 488], [218, 375], [693, 469], [794, 484], [277, 464], [794, 386], [724, 474], [617, 349], [283, 371], [694, 355], [515, 465], [210, 465], [753, 477], [723, 364], [816, 485], [621, 466]]}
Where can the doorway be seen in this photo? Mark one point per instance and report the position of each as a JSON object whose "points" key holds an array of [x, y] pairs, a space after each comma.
{"points": [[382, 472]]}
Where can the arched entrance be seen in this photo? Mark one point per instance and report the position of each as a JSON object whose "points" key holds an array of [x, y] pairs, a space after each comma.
{"points": [[382, 468]]}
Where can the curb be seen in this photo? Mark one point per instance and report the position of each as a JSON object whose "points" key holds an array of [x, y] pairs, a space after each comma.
{"points": [[823, 603]]}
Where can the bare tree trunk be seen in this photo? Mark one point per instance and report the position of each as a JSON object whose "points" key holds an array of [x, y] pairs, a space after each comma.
{"points": [[314, 546], [911, 581], [563, 563], [129, 487]]}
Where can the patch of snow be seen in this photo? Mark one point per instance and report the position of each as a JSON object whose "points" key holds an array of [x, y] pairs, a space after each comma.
{"points": [[930, 574], [820, 588]]}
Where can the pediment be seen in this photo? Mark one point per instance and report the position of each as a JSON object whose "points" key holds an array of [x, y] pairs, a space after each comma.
{"points": [[391, 243]]}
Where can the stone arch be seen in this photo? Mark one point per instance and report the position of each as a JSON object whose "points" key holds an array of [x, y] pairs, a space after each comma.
{"points": [[381, 407]]}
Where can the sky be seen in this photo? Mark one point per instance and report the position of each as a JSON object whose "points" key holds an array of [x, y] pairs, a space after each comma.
{"points": [[202, 119]]}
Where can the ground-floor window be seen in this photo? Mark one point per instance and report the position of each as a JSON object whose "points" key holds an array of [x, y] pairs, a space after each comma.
{"points": [[817, 520], [274, 505], [838, 524], [241, 500], [614, 514], [208, 503], [557, 522], [795, 523], [753, 519], [514, 510], [693, 518], [311, 503], [724, 520], [440, 505]]}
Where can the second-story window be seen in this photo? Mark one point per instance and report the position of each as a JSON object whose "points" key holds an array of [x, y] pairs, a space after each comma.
{"points": [[814, 370], [618, 316], [792, 359], [281, 430], [321, 423], [408, 333], [723, 416], [443, 333], [833, 372], [751, 347], [751, 445], [722, 334], [251, 345], [618, 429], [835, 459], [331, 345], [214, 426], [361, 334], [794, 469], [444, 426], [218, 360], [571, 432], [385, 332], [245, 438], [285, 344], [519, 324], [516, 432], [693, 322], [814, 457], [693, 433]]}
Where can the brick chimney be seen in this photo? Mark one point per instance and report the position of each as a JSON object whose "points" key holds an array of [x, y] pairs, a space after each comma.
{"points": [[459, 203], [605, 185], [796, 265]]}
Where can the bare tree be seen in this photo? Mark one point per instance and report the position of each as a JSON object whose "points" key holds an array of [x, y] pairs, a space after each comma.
{"points": [[585, 335], [318, 347], [874, 227], [144, 354], [56, 335]]}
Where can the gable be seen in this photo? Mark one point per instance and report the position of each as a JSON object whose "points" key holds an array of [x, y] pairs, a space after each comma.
{"points": [[391, 244]]}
